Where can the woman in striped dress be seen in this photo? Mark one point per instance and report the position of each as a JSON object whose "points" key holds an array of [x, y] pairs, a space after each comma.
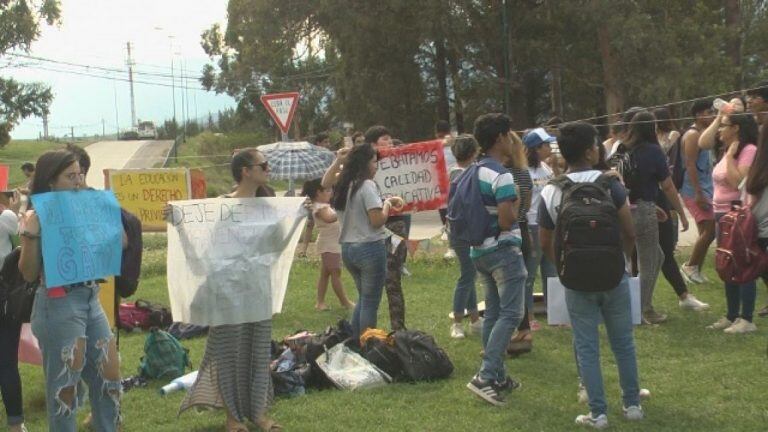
{"points": [[234, 372]]}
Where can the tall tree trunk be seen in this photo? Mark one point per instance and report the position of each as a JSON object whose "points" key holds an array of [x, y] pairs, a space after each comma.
{"points": [[458, 105], [443, 109], [614, 97], [556, 89], [733, 41]]}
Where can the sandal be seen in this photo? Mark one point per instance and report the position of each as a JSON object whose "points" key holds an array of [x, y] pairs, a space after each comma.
{"points": [[522, 344], [266, 424]]}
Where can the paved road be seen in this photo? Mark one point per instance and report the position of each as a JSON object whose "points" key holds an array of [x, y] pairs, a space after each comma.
{"points": [[123, 154], [427, 225]]}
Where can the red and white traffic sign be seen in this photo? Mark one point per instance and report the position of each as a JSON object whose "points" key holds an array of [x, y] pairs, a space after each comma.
{"points": [[281, 106]]}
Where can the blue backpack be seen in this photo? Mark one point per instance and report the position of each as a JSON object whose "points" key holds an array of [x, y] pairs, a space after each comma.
{"points": [[469, 220]]}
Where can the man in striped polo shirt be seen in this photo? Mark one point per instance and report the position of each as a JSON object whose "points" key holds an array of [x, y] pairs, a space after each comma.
{"points": [[499, 260]]}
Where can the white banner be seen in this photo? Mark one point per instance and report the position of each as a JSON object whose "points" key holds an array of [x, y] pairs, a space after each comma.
{"points": [[557, 312], [229, 258]]}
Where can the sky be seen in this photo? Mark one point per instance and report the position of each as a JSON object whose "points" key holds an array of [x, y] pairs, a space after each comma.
{"points": [[94, 33]]}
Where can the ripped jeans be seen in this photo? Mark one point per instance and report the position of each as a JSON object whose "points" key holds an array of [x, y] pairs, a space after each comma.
{"points": [[76, 341]]}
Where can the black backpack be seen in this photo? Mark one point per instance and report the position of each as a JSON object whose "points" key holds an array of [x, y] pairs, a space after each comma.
{"points": [[421, 358], [383, 356], [469, 220], [676, 162], [130, 265], [588, 251], [623, 162]]}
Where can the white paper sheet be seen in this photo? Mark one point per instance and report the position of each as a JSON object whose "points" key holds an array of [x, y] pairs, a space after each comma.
{"points": [[229, 258], [557, 312]]}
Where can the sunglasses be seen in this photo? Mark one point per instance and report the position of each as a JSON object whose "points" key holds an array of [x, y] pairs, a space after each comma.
{"points": [[264, 165]]}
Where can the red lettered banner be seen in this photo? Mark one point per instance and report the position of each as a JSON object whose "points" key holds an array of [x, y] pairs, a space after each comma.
{"points": [[416, 173]]}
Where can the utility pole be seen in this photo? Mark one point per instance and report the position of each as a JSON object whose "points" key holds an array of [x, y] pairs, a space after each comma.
{"points": [[130, 81], [183, 103], [72, 133], [117, 119], [103, 128]]}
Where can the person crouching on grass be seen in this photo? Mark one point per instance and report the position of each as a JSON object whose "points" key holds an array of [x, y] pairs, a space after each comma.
{"points": [[328, 231], [578, 145]]}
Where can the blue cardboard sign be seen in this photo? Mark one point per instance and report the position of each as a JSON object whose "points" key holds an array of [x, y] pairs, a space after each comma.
{"points": [[82, 235]]}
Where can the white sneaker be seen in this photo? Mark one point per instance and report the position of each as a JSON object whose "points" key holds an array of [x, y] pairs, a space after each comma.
{"points": [[721, 324], [599, 422], [449, 254], [405, 272], [741, 326], [633, 413], [692, 274], [457, 331], [476, 327], [644, 393], [692, 303]]}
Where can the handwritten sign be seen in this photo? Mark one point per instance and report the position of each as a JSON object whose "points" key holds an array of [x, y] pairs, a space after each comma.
{"points": [[416, 173], [229, 258], [82, 235], [144, 192]]}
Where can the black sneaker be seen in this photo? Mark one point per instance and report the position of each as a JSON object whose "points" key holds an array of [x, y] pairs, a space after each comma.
{"points": [[487, 390], [507, 385]]}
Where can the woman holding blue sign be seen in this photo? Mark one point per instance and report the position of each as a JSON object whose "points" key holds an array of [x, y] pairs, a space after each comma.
{"points": [[68, 321]]}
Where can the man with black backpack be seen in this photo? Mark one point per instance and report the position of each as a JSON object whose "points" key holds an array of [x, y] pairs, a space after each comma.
{"points": [[585, 227], [483, 212]]}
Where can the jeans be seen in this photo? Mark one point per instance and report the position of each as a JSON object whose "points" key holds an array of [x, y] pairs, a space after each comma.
{"points": [[649, 254], [464, 295], [535, 262], [367, 263], [585, 310], [61, 325], [503, 275], [740, 298], [10, 381]]}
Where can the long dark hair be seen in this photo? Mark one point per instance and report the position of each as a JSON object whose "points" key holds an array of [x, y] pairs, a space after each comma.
{"points": [[664, 121], [642, 129], [48, 167], [748, 131], [352, 176], [757, 177]]}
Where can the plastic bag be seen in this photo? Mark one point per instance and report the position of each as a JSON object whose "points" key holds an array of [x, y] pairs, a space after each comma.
{"points": [[349, 370]]}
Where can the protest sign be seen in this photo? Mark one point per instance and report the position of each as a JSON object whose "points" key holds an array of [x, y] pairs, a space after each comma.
{"points": [[144, 192], [416, 173], [82, 235], [229, 258], [4, 173], [557, 311]]}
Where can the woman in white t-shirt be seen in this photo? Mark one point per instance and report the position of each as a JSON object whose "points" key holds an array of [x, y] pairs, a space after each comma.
{"points": [[538, 149], [362, 215]]}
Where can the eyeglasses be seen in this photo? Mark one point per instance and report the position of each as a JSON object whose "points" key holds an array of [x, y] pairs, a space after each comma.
{"points": [[264, 165], [74, 176]]}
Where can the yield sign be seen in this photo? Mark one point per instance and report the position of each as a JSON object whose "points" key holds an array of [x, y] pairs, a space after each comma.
{"points": [[281, 106]]}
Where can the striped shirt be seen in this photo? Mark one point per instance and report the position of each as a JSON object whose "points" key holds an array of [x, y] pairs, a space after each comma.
{"points": [[524, 186], [496, 186]]}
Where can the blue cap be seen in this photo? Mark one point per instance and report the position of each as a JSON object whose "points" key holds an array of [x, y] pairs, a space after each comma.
{"points": [[537, 137]]}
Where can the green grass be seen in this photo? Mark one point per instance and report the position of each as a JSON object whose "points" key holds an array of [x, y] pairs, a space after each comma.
{"points": [[16, 152], [700, 380]]}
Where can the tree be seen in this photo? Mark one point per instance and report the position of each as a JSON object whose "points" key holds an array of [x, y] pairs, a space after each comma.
{"points": [[20, 22]]}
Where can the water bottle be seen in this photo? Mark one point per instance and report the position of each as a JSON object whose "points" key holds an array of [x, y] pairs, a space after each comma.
{"points": [[180, 383], [721, 105]]}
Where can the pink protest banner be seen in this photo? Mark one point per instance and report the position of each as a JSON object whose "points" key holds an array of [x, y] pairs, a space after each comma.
{"points": [[416, 173], [4, 172]]}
